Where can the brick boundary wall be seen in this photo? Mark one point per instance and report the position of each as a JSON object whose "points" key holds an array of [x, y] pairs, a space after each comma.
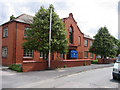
{"points": [[34, 65], [42, 65], [106, 61]]}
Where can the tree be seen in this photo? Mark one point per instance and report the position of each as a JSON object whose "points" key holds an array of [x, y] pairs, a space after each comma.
{"points": [[118, 51], [38, 36], [103, 44], [117, 45], [12, 17]]}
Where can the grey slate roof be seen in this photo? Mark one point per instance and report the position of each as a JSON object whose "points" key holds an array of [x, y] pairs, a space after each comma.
{"points": [[24, 18], [87, 36]]}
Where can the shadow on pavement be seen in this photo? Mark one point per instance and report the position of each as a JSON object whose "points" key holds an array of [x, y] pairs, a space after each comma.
{"points": [[116, 81]]}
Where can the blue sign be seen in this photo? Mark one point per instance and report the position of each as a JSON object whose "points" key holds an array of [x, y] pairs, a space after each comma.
{"points": [[73, 54]]}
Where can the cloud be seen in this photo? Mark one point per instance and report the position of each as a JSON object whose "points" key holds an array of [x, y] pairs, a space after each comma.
{"points": [[89, 14]]}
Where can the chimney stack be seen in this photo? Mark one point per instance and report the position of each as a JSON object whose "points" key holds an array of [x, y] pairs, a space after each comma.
{"points": [[71, 15]]}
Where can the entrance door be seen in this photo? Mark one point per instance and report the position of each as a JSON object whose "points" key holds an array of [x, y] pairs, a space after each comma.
{"points": [[68, 54]]}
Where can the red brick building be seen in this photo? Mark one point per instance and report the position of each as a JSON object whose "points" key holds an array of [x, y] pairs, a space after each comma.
{"points": [[13, 35]]}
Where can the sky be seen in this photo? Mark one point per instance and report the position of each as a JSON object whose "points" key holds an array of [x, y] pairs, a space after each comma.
{"points": [[90, 15]]}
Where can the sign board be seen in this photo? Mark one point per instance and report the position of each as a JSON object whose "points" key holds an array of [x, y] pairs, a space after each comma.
{"points": [[73, 54]]}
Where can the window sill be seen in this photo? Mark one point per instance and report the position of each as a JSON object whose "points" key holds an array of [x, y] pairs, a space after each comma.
{"points": [[5, 37], [28, 58], [85, 57], [4, 57]]}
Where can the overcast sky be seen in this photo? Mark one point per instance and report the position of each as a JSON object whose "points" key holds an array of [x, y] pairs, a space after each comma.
{"points": [[90, 15]]}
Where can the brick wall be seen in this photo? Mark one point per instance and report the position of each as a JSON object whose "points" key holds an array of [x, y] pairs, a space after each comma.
{"points": [[106, 61], [0, 45], [9, 42], [42, 65], [34, 65], [76, 33]]}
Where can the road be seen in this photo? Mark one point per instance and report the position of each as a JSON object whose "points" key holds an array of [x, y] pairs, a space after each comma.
{"points": [[96, 78]]}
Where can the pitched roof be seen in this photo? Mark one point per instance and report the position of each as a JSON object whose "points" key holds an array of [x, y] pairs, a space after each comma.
{"points": [[28, 19], [87, 36], [24, 18]]}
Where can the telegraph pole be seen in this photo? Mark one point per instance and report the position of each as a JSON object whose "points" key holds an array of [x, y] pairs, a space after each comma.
{"points": [[50, 37]]}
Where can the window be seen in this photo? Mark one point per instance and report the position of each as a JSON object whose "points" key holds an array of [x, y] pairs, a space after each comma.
{"points": [[5, 32], [91, 43], [71, 35], [28, 53], [57, 55], [63, 55], [4, 52], [91, 55], [25, 31], [60, 55], [79, 40], [41, 54], [85, 54], [86, 42]]}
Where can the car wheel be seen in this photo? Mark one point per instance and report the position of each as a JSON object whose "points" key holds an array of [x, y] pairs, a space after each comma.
{"points": [[114, 77]]}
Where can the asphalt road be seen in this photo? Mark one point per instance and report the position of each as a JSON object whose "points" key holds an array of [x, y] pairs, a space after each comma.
{"points": [[96, 78]]}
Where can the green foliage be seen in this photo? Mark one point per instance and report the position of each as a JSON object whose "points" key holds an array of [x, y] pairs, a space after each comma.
{"points": [[38, 36], [65, 66], [84, 63], [12, 17], [94, 61], [15, 67], [104, 44], [117, 46], [118, 51]]}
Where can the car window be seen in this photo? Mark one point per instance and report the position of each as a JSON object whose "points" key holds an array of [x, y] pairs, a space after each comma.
{"points": [[118, 58]]}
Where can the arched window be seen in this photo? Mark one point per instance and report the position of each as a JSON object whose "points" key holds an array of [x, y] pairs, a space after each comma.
{"points": [[71, 35]]}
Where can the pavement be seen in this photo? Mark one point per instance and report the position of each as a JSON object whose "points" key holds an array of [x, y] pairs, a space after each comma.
{"points": [[67, 70], [9, 77]]}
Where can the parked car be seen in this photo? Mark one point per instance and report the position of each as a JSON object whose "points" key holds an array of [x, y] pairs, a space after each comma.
{"points": [[116, 69]]}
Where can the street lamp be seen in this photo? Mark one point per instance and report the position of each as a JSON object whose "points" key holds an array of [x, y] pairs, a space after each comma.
{"points": [[50, 37]]}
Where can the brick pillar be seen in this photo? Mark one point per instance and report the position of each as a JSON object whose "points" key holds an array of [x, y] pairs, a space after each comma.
{"points": [[65, 56]]}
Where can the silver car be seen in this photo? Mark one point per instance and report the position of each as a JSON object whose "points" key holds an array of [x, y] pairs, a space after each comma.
{"points": [[116, 69]]}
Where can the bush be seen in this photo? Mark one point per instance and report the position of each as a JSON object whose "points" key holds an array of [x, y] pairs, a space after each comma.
{"points": [[65, 66], [94, 61], [16, 67], [84, 63]]}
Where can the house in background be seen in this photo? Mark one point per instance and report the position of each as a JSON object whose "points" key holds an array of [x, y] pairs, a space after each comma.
{"points": [[14, 34]]}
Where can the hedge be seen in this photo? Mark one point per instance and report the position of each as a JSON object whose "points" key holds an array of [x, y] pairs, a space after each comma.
{"points": [[16, 67]]}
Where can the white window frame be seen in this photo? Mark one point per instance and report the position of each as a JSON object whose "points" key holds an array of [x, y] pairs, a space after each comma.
{"points": [[25, 30], [5, 32], [91, 55], [28, 54], [86, 42], [85, 54], [91, 43], [57, 55], [41, 54], [4, 51]]}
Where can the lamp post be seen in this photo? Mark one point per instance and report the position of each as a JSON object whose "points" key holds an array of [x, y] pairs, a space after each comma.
{"points": [[50, 37]]}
